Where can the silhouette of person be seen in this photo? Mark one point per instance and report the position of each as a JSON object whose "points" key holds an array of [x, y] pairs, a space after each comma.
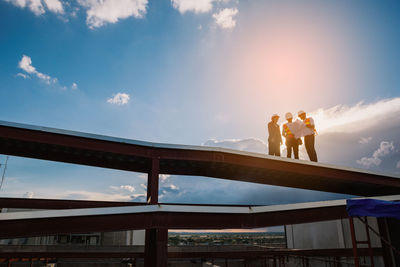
{"points": [[274, 136], [309, 135], [292, 142]]}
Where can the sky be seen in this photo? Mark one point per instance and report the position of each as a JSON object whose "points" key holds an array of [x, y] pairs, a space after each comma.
{"points": [[204, 72]]}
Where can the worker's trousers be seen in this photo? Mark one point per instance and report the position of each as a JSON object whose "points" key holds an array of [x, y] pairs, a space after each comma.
{"points": [[292, 144], [309, 141], [274, 148]]}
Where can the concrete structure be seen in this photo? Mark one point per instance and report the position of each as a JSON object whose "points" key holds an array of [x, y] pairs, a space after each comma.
{"points": [[331, 235]]}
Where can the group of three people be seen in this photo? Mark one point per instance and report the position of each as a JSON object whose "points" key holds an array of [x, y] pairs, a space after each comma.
{"points": [[293, 131]]}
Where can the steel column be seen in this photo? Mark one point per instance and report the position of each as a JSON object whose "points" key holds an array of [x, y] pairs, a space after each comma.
{"points": [[371, 254], [152, 181], [156, 243], [354, 242], [156, 248]]}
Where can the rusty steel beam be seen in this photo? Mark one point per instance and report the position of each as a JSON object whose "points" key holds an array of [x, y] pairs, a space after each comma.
{"points": [[152, 181], [272, 252], [189, 253], [164, 220], [37, 203], [42, 203], [123, 154], [156, 239]]}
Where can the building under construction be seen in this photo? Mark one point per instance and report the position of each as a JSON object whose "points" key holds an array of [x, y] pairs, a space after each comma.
{"points": [[317, 233]]}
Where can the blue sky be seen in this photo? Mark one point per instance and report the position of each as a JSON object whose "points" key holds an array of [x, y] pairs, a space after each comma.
{"points": [[199, 72]]}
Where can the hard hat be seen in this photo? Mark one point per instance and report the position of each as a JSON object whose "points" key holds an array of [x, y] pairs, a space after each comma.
{"points": [[301, 112], [288, 116], [275, 115]]}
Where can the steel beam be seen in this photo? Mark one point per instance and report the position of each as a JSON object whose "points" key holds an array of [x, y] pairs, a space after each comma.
{"points": [[156, 248], [8, 252], [156, 240], [48, 204], [124, 154], [169, 220], [152, 181]]}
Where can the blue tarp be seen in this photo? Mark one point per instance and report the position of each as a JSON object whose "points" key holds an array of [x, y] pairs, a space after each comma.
{"points": [[373, 208]]}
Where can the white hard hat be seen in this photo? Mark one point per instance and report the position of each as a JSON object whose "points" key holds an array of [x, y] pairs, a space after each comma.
{"points": [[288, 116], [301, 112], [275, 115]]}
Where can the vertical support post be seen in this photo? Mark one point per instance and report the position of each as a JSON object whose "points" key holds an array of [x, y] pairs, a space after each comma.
{"points": [[156, 243], [156, 248], [152, 181], [371, 254], [354, 242]]}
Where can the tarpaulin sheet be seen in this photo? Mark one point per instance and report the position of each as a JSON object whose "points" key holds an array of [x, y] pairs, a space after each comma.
{"points": [[373, 208]]}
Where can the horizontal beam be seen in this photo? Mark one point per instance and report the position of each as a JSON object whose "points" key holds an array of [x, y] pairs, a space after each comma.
{"points": [[174, 253], [37, 203], [22, 224], [131, 155], [52, 222]]}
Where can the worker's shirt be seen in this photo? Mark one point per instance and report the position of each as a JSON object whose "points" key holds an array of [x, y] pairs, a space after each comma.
{"points": [[306, 130], [293, 129], [286, 130], [274, 133]]}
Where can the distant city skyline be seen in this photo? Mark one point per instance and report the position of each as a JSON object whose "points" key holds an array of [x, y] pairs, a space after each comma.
{"points": [[204, 72]]}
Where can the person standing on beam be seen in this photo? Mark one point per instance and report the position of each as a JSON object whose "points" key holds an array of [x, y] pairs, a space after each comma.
{"points": [[290, 133], [309, 133], [274, 137]]}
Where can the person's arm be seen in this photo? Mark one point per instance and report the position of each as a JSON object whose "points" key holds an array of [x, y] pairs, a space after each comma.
{"points": [[283, 131], [280, 136], [270, 129]]}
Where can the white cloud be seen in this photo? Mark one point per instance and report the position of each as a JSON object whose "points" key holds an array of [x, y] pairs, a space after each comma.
{"points": [[23, 75], [174, 187], [138, 197], [100, 12], [384, 149], [369, 162], [128, 188], [119, 99], [26, 65], [225, 18], [356, 118], [164, 177], [196, 6], [37, 7], [365, 140], [398, 165], [54, 6], [46, 78], [249, 144], [88, 195], [28, 195]]}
